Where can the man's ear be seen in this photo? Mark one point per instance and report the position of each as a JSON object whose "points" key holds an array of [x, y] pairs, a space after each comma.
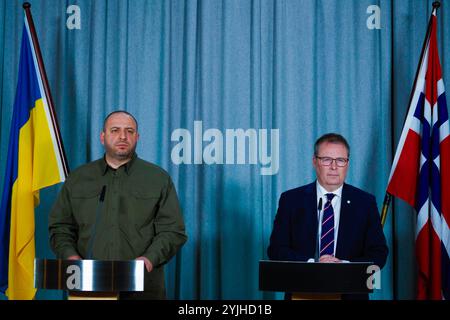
{"points": [[102, 137], [314, 161]]}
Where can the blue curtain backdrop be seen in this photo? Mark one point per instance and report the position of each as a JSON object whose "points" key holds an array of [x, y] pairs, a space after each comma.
{"points": [[194, 73]]}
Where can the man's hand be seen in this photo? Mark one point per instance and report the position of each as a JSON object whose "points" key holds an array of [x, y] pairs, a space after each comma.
{"points": [[148, 264], [329, 258], [75, 257]]}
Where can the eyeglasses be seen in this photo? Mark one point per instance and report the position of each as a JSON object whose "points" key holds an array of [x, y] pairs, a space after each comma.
{"points": [[327, 161]]}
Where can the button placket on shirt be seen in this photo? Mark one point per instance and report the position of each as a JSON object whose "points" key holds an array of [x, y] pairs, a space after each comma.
{"points": [[113, 214]]}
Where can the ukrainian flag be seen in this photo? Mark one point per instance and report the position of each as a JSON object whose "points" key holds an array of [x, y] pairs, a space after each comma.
{"points": [[35, 160]]}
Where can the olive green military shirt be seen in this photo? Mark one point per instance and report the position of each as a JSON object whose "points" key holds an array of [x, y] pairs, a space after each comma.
{"points": [[140, 214]]}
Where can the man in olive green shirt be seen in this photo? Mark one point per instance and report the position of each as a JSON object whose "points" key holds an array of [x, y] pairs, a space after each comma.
{"points": [[119, 207]]}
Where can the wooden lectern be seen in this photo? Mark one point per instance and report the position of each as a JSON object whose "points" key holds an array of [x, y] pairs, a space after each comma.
{"points": [[313, 280], [89, 279]]}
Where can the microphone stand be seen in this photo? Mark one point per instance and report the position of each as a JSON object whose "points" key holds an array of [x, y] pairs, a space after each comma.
{"points": [[317, 250], [97, 218]]}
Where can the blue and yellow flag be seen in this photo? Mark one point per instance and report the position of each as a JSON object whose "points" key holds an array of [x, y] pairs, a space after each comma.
{"points": [[35, 160]]}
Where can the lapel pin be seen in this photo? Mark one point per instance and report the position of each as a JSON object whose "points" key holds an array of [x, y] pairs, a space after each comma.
{"points": [[348, 201]]}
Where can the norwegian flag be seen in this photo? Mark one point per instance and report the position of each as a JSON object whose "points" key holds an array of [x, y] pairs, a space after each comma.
{"points": [[420, 173]]}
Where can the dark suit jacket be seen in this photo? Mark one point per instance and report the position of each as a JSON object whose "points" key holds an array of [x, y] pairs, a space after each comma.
{"points": [[360, 236]]}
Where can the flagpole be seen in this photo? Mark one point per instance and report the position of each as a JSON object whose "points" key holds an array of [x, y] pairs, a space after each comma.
{"points": [[40, 62], [388, 196]]}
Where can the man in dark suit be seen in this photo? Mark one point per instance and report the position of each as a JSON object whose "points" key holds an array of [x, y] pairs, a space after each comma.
{"points": [[350, 227]]}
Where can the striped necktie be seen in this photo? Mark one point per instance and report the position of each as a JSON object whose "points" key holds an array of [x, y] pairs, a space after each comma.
{"points": [[327, 236]]}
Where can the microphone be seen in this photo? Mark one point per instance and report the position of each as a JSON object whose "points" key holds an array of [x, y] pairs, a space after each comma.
{"points": [[97, 218], [102, 195], [317, 249]]}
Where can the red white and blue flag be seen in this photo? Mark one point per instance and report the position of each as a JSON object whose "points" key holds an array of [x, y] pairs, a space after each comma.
{"points": [[420, 173]]}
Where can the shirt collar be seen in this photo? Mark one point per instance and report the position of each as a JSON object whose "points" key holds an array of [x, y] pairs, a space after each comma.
{"points": [[127, 166], [321, 191]]}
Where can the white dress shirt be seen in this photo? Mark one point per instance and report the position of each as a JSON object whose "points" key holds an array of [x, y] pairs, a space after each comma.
{"points": [[336, 203]]}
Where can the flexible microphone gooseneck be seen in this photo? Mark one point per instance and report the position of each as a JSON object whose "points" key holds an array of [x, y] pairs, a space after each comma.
{"points": [[317, 251], [97, 218]]}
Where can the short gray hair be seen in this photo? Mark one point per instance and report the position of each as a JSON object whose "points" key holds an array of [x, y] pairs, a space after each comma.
{"points": [[331, 138]]}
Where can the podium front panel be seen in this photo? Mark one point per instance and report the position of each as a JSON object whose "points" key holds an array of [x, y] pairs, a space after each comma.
{"points": [[305, 277], [89, 275]]}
